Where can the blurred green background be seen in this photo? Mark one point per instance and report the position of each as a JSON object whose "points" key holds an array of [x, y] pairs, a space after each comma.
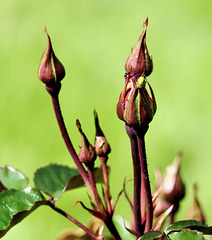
{"points": [[92, 38]]}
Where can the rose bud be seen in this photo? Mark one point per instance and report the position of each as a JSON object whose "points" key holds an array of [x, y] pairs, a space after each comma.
{"points": [[87, 153], [136, 106], [139, 60], [173, 188], [102, 146], [50, 70], [195, 211]]}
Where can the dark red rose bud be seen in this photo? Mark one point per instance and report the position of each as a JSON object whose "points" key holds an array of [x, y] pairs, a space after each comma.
{"points": [[87, 153], [136, 106], [102, 146], [50, 69], [139, 60]]}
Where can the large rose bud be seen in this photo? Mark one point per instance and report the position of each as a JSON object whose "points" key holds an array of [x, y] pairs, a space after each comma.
{"points": [[136, 106]]}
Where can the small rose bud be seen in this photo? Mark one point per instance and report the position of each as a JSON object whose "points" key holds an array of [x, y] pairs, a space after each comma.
{"points": [[87, 153], [50, 69], [102, 146], [139, 60], [136, 106], [173, 188], [195, 211]]}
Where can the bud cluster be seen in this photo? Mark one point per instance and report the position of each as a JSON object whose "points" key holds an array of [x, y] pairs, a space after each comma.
{"points": [[88, 153], [137, 106]]}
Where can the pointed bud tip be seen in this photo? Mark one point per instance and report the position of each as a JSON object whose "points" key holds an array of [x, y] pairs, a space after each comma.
{"points": [[78, 124], [145, 23], [139, 60], [99, 131], [195, 211], [50, 69], [87, 153], [45, 29]]}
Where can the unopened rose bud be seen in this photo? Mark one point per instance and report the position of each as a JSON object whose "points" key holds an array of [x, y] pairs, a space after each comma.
{"points": [[173, 188], [139, 60], [87, 153], [195, 211], [50, 69], [102, 146], [136, 106]]}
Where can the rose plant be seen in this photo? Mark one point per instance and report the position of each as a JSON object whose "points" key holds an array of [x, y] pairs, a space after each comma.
{"points": [[153, 215]]}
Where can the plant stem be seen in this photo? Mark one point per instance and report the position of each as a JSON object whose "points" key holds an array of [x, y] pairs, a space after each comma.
{"points": [[54, 92], [106, 183], [146, 182], [139, 227], [108, 222], [111, 227], [66, 215], [94, 190]]}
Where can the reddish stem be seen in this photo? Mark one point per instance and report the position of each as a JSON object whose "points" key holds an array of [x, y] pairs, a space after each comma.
{"points": [[139, 227], [106, 184], [111, 227], [94, 190], [54, 92], [146, 182], [50, 204]]}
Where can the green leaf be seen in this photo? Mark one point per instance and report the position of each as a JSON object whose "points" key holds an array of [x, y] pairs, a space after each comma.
{"points": [[186, 234], [177, 226], [56, 179], [204, 230], [151, 235], [12, 178], [53, 179], [15, 205]]}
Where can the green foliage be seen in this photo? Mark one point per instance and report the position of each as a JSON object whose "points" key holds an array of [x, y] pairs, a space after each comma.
{"points": [[151, 235], [186, 234], [15, 205], [12, 178], [16, 201], [187, 230], [53, 179], [183, 224], [182, 230]]}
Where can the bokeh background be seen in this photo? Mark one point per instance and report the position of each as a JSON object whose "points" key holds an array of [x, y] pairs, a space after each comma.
{"points": [[93, 38]]}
